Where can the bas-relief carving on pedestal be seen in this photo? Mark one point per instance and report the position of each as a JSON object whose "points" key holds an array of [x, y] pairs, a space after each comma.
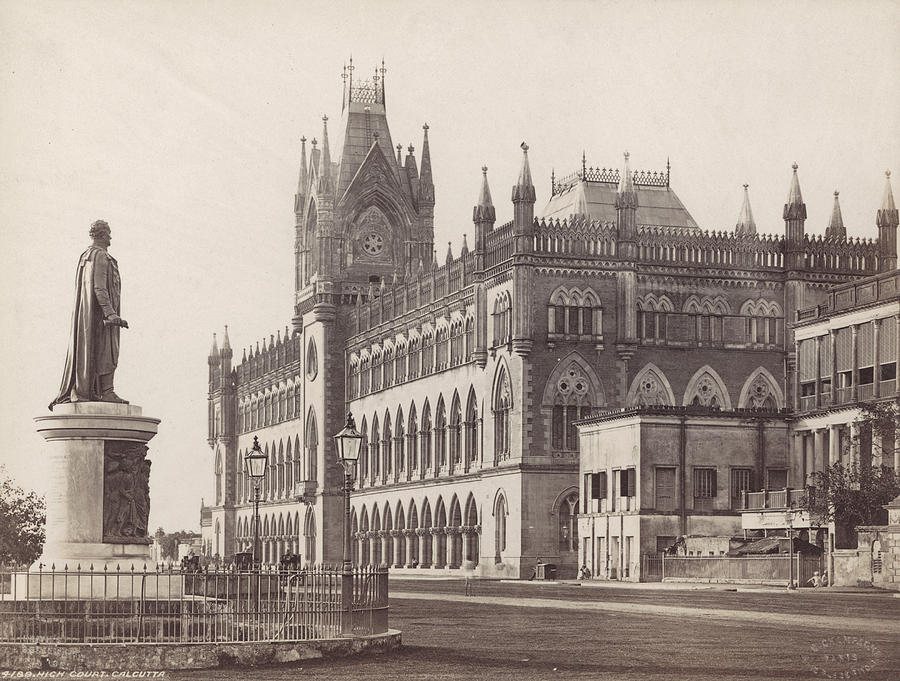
{"points": [[126, 492]]}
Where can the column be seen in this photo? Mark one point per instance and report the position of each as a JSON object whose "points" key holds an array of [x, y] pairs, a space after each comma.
{"points": [[834, 371], [385, 551], [452, 536], [796, 375], [409, 538], [834, 445], [854, 389], [436, 557], [809, 460], [466, 548], [819, 402], [876, 363], [396, 535], [820, 456], [422, 533], [854, 443]]}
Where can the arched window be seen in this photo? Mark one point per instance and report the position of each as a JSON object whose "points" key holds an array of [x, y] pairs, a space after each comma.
{"points": [[441, 347], [500, 513], [364, 375], [568, 523], [426, 437], [501, 319], [309, 534], [218, 469], [354, 379], [502, 404], [572, 401], [312, 360], [428, 353], [573, 313], [297, 402], [471, 427], [440, 430], [400, 363], [412, 448], [470, 338], [376, 370], [375, 448], [364, 471], [388, 365], [399, 439], [412, 370], [456, 344], [386, 446], [312, 446], [455, 431]]}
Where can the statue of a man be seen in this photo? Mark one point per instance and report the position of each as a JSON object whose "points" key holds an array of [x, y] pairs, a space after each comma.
{"points": [[94, 339]]}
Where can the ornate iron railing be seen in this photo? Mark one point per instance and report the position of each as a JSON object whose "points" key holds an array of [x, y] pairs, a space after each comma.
{"points": [[76, 606]]}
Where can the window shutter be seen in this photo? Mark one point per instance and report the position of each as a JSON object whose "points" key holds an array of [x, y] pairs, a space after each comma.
{"points": [[864, 343], [597, 492], [887, 341], [825, 357], [603, 485], [714, 482], [844, 342], [808, 360], [632, 481], [623, 483]]}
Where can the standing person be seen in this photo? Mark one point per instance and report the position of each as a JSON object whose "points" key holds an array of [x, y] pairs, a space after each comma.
{"points": [[93, 352]]}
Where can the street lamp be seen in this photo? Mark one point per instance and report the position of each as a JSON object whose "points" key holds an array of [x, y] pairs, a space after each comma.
{"points": [[347, 443], [256, 463], [789, 517]]}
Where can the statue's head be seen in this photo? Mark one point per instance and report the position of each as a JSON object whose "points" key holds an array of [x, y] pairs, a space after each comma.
{"points": [[100, 232]]}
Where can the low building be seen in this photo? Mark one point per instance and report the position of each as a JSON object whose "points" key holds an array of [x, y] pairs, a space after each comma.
{"points": [[650, 475]]}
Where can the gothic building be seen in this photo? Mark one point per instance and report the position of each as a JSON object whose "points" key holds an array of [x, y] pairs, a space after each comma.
{"points": [[466, 376]]}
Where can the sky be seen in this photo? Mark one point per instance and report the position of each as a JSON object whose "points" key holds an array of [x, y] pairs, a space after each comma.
{"points": [[180, 122]]}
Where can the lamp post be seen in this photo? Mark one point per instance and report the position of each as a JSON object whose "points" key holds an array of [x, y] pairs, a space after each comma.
{"points": [[256, 463], [789, 516], [347, 443]]}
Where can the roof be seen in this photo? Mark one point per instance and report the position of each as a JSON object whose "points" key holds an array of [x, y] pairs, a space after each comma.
{"points": [[597, 200]]}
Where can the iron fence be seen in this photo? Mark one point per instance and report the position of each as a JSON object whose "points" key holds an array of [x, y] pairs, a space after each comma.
{"points": [[191, 607]]}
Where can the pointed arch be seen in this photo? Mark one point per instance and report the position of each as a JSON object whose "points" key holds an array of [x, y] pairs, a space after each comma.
{"points": [[455, 429], [502, 404], [761, 391], [501, 512], [440, 433], [387, 443], [309, 535], [649, 387], [572, 390], [470, 517], [426, 436], [471, 427], [706, 388], [311, 438], [413, 516], [455, 517]]}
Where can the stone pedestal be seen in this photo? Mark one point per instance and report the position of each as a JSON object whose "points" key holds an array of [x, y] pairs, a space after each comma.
{"points": [[81, 437]]}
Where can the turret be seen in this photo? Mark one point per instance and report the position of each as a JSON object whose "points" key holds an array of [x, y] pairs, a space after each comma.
{"points": [[626, 212], [484, 216], [426, 184], [523, 197], [887, 219], [794, 225], [226, 354], [835, 228], [302, 182], [745, 224], [213, 361], [325, 206]]}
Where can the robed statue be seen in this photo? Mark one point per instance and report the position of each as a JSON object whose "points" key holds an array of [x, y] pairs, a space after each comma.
{"points": [[94, 339]]}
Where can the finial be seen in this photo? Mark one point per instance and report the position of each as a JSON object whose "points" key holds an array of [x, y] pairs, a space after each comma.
{"points": [[325, 119], [627, 155], [524, 147], [887, 174], [411, 148], [795, 166], [836, 192], [375, 134], [583, 164], [746, 186], [425, 128], [314, 142], [484, 170], [303, 139]]}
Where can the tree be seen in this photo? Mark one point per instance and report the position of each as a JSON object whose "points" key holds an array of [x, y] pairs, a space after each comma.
{"points": [[168, 542], [22, 519], [854, 493]]}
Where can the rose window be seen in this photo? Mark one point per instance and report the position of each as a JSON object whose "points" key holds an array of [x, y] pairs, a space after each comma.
{"points": [[373, 243]]}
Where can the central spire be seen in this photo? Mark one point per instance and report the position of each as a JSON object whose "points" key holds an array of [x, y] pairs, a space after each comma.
{"points": [[835, 229], [745, 223]]}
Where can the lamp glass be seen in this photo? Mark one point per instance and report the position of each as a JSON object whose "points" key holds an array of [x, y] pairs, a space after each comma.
{"points": [[256, 461], [348, 441]]}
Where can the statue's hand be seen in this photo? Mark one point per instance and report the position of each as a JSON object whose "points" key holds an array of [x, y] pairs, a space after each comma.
{"points": [[116, 320]]}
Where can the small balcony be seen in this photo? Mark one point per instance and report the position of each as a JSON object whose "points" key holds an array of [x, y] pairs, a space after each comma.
{"points": [[773, 499]]}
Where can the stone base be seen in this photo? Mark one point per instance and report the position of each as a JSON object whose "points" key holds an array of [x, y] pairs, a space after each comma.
{"points": [[78, 436], [93, 557], [96, 586]]}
